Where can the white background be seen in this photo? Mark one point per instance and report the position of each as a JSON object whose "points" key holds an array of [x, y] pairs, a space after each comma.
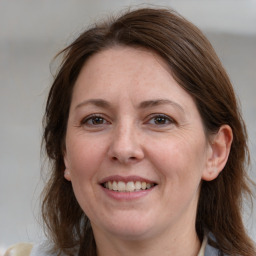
{"points": [[32, 32]]}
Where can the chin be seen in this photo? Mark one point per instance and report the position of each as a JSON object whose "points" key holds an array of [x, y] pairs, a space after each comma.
{"points": [[130, 229], [132, 233]]}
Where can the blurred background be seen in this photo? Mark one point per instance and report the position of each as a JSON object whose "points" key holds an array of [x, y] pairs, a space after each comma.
{"points": [[32, 32]]}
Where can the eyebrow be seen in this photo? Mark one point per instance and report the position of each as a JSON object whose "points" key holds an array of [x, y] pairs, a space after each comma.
{"points": [[158, 102], [144, 104], [97, 102]]}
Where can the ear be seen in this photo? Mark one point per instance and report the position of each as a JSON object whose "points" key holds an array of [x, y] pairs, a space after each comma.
{"points": [[67, 175], [220, 145]]}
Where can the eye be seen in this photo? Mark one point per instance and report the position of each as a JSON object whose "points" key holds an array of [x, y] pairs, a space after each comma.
{"points": [[94, 120], [160, 119]]}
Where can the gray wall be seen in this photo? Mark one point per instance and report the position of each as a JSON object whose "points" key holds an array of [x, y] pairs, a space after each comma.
{"points": [[31, 33]]}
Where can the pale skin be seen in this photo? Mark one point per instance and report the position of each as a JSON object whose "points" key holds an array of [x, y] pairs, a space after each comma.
{"points": [[129, 117]]}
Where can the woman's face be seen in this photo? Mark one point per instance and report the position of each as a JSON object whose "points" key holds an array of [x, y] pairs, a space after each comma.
{"points": [[135, 146]]}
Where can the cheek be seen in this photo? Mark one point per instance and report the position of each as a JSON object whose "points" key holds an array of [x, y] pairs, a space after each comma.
{"points": [[84, 157], [181, 160], [179, 166]]}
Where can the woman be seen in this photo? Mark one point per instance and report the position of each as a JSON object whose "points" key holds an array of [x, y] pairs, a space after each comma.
{"points": [[147, 144]]}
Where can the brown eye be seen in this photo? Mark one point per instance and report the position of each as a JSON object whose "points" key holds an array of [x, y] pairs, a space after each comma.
{"points": [[94, 121], [97, 120], [161, 120]]}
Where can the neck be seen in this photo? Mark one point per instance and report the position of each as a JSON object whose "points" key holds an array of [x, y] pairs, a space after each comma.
{"points": [[177, 243]]}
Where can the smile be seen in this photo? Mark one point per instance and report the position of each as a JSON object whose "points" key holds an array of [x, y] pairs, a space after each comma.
{"points": [[130, 186]]}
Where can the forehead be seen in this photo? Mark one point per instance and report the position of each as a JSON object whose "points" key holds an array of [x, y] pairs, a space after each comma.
{"points": [[125, 59], [125, 72], [121, 65]]}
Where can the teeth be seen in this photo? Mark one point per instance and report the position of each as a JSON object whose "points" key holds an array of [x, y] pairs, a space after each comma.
{"points": [[138, 185], [121, 186], [148, 185], [130, 186], [109, 186], [114, 184]]}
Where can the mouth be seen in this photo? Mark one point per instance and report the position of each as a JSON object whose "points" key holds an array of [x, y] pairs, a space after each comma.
{"points": [[129, 186], [117, 183]]}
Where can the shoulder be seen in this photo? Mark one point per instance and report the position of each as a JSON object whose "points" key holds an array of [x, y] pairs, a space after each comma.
{"points": [[42, 249], [207, 249], [210, 250], [27, 249], [20, 249]]}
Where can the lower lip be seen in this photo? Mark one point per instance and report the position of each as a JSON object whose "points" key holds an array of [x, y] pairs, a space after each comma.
{"points": [[126, 196]]}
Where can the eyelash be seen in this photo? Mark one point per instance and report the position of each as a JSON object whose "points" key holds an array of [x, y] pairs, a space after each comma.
{"points": [[163, 117], [91, 118]]}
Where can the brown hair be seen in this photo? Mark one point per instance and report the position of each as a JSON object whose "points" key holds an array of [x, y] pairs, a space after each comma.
{"points": [[196, 67]]}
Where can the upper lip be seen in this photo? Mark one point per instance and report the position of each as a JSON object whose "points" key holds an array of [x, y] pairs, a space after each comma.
{"points": [[125, 179]]}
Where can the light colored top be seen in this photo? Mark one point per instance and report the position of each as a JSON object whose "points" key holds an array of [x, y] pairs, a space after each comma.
{"points": [[21, 249], [203, 246], [25, 249]]}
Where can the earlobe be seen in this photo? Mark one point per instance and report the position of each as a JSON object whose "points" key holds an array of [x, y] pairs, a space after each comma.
{"points": [[67, 175], [66, 171], [218, 156], [211, 173]]}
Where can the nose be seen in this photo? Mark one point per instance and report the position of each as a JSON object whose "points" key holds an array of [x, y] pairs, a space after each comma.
{"points": [[125, 146]]}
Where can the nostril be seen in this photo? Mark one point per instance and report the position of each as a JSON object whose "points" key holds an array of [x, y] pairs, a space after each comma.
{"points": [[124, 159]]}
